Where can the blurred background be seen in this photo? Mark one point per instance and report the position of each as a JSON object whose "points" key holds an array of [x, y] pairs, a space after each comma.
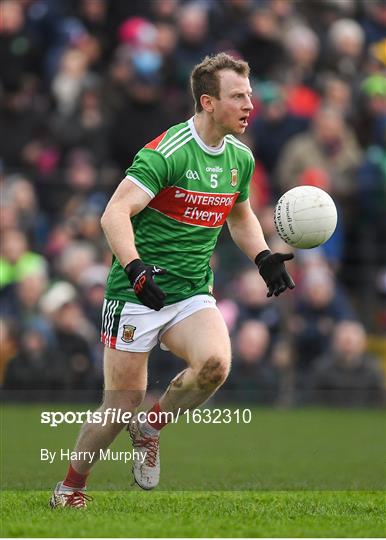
{"points": [[84, 84]]}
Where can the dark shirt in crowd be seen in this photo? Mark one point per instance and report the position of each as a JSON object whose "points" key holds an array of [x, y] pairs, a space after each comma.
{"points": [[336, 383]]}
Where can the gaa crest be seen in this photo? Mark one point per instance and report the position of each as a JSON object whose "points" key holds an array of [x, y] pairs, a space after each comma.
{"points": [[128, 333], [234, 178]]}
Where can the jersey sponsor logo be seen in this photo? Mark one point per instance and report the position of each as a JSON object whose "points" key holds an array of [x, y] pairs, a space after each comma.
{"points": [[128, 333], [214, 169], [192, 175], [234, 178], [194, 207]]}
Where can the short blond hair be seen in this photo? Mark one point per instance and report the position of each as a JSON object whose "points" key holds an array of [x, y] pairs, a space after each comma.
{"points": [[204, 78]]}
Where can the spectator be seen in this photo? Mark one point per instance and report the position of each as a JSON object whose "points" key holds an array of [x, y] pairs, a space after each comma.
{"points": [[374, 23], [322, 305], [263, 36], [346, 41], [94, 17], [139, 45], [79, 183], [20, 123], [9, 345], [287, 15], [369, 235], [282, 363], [331, 146], [166, 44], [372, 194], [92, 282], [253, 303], [116, 83], [194, 40], [321, 14], [20, 302], [274, 127], [71, 79], [15, 61], [229, 21], [144, 110], [302, 45], [73, 333], [18, 192], [371, 126], [252, 378], [348, 376], [75, 259], [16, 260], [163, 12], [87, 127], [37, 371], [337, 95]]}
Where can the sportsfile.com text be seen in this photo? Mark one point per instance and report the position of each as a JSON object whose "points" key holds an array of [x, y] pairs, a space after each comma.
{"points": [[119, 416]]}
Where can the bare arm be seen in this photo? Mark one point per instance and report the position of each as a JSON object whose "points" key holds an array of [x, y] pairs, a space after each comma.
{"points": [[127, 201], [245, 230], [247, 234]]}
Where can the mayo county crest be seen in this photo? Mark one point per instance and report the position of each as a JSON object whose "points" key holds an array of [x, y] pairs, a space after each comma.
{"points": [[234, 178], [128, 333]]}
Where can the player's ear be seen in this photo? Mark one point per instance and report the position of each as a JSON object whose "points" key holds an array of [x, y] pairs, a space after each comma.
{"points": [[207, 103]]}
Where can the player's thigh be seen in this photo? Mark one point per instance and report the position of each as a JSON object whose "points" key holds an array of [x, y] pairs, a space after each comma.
{"points": [[199, 337], [125, 377]]}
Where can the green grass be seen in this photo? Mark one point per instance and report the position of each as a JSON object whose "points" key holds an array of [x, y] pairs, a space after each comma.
{"points": [[305, 472], [204, 514]]}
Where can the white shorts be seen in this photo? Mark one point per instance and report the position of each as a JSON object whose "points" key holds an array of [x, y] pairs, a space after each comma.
{"points": [[137, 328]]}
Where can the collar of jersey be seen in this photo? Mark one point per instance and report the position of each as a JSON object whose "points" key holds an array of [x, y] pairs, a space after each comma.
{"points": [[214, 150]]}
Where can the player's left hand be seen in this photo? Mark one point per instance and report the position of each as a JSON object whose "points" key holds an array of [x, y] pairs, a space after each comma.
{"points": [[273, 271]]}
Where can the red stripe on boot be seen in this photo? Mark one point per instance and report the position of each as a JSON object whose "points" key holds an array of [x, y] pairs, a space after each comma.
{"points": [[75, 479], [155, 419]]}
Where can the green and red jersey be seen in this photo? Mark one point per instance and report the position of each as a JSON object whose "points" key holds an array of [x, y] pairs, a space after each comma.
{"points": [[193, 187]]}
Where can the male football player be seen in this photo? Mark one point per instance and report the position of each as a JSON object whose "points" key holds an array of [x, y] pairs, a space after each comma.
{"points": [[162, 224]]}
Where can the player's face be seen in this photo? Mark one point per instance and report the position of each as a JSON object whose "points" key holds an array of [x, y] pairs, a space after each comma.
{"points": [[232, 110]]}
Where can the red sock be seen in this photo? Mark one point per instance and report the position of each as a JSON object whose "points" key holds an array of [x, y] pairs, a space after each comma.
{"points": [[155, 419], [75, 479]]}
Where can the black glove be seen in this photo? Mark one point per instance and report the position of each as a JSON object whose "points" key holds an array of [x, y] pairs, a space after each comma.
{"points": [[272, 270], [141, 277]]}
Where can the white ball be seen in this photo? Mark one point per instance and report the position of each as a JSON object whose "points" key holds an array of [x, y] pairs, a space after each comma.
{"points": [[305, 217]]}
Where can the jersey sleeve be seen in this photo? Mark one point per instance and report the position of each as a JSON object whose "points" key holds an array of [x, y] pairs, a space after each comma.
{"points": [[246, 180], [149, 171]]}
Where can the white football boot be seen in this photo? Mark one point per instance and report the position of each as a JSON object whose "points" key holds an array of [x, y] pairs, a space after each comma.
{"points": [[146, 464], [63, 496]]}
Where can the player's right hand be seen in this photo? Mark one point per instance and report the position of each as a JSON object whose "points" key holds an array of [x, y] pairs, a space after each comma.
{"points": [[141, 277]]}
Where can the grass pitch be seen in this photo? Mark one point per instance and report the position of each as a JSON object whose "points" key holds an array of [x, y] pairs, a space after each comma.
{"points": [[302, 473], [199, 514]]}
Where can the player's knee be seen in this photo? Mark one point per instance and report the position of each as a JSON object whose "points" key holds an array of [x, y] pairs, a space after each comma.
{"points": [[213, 371]]}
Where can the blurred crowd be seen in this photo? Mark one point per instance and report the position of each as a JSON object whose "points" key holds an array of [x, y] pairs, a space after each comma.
{"points": [[84, 84]]}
